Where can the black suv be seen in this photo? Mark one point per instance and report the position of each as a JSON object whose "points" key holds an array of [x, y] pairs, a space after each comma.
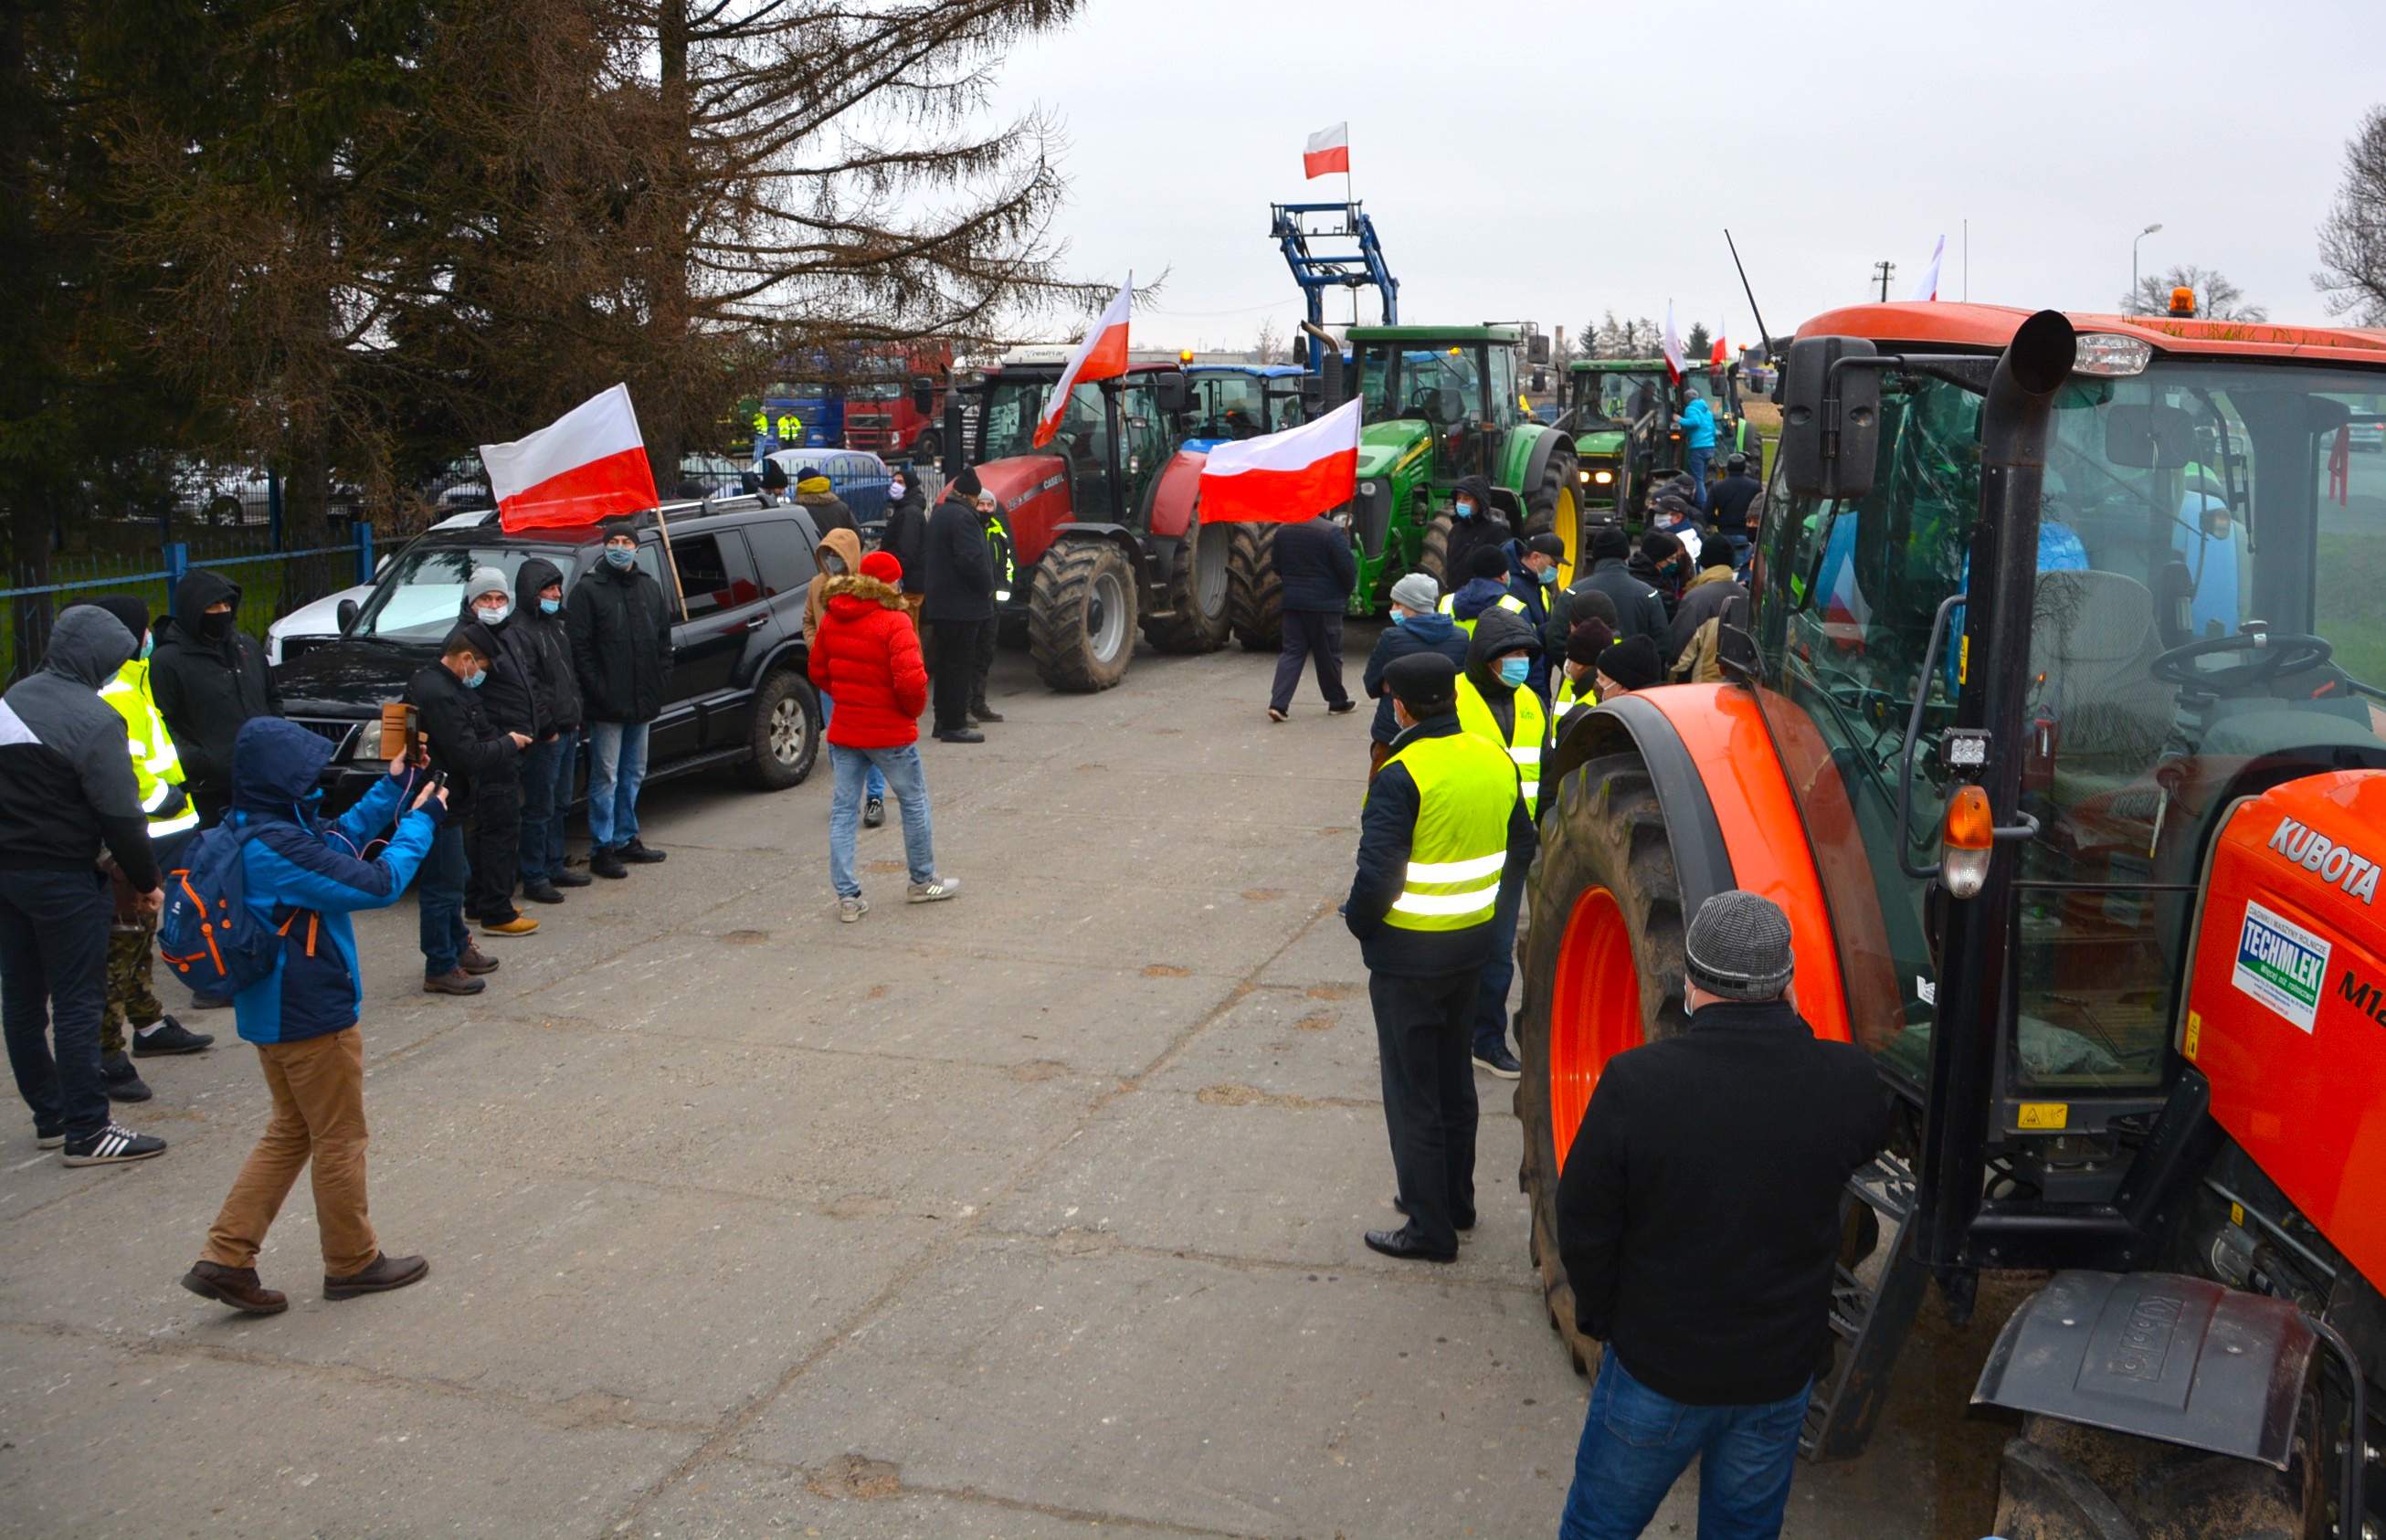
{"points": [[739, 694]]}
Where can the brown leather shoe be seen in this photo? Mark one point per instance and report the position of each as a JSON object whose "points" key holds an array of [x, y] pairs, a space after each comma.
{"points": [[237, 1287], [383, 1273], [456, 983], [475, 962], [520, 925]]}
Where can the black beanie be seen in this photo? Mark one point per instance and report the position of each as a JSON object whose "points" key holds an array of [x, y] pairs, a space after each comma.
{"points": [[130, 608], [1589, 642], [1610, 541], [1632, 662], [965, 484], [1486, 561], [1717, 551]]}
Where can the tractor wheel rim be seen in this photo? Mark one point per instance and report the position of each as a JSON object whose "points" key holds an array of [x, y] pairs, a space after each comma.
{"points": [[1594, 1010], [786, 731], [1106, 617], [1568, 523]]}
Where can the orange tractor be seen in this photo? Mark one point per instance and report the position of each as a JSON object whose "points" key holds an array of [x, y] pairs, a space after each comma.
{"points": [[2057, 725]]}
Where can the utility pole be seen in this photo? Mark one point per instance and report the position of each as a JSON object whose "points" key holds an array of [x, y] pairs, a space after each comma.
{"points": [[1884, 270]]}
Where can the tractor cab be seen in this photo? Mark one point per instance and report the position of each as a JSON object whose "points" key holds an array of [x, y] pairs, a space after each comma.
{"points": [[1617, 409], [1240, 401], [1462, 388]]}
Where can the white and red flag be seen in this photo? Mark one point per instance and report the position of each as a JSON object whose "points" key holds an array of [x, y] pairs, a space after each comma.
{"points": [[1716, 358], [1284, 477], [1928, 287], [1675, 364], [587, 465], [1329, 150], [1100, 355]]}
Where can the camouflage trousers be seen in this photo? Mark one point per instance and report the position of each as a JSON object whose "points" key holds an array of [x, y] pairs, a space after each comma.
{"points": [[132, 954]]}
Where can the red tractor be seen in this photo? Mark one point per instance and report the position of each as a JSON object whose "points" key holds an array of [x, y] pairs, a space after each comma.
{"points": [[1102, 521], [2055, 726]]}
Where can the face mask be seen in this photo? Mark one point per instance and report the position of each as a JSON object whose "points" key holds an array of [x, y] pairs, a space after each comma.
{"points": [[1513, 670], [1400, 617], [1464, 510], [1549, 574], [832, 564], [987, 508], [147, 642], [495, 616], [549, 607], [472, 681], [619, 557], [894, 490], [215, 628]]}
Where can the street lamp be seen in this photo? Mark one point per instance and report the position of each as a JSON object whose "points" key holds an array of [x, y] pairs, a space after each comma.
{"points": [[2149, 230]]}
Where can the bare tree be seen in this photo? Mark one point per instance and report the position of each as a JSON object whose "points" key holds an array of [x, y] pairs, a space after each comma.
{"points": [[2215, 297], [2352, 237], [1270, 345]]}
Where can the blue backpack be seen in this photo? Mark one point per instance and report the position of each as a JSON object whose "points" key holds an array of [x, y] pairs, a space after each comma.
{"points": [[208, 934]]}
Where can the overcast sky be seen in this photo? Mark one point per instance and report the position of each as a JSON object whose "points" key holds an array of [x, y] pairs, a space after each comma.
{"points": [[1551, 161]]}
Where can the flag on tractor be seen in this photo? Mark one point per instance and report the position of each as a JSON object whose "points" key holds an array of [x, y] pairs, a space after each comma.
{"points": [[1284, 477], [1928, 287], [1676, 364], [587, 465], [1329, 150], [1716, 358], [1100, 355]]}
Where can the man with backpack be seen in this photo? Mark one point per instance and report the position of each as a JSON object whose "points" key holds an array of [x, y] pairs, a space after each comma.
{"points": [[289, 881]]}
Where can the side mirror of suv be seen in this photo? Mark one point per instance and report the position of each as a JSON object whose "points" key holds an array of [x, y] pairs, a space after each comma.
{"points": [[348, 614]]}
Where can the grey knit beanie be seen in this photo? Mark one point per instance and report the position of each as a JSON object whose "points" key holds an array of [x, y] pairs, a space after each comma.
{"points": [[1417, 592], [1738, 947], [486, 580]]}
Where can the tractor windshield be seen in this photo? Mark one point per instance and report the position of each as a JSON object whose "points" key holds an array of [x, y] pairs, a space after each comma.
{"points": [[1013, 404], [1444, 386], [1229, 406], [2207, 622], [1618, 396]]}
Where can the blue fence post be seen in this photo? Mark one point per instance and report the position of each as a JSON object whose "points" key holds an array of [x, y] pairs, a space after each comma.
{"points": [[177, 567], [273, 505], [361, 533]]}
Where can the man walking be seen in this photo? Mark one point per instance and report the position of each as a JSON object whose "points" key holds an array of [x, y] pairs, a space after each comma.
{"points": [[960, 598], [621, 652], [1698, 1220], [868, 657], [66, 789], [1416, 627], [1698, 425], [1441, 818], [1498, 704], [208, 677], [1318, 569], [511, 699], [302, 1014], [445, 696], [544, 647]]}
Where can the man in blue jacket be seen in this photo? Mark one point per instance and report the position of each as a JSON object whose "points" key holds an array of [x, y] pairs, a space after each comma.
{"points": [[1532, 579], [1416, 626], [303, 876], [1698, 425]]}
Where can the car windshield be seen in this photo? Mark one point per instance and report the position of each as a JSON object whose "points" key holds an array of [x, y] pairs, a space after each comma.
{"points": [[1013, 406], [420, 597], [1440, 385]]}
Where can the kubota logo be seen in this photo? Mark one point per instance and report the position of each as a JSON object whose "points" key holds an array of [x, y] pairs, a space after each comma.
{"points": [[2335, 863]]}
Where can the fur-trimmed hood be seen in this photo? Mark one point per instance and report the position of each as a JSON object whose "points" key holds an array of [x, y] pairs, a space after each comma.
{"points": [[854, 591]]}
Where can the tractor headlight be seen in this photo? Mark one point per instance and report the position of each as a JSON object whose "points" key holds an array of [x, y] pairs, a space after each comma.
{"points": [[1603, 478], [1583, 475], [1367, 488]]}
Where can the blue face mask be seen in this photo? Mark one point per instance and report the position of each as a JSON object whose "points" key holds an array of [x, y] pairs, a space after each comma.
{"points": [[1549, 574], [1400, 617], [472, 681], [549, 606], [618, 557], [147, 642], [1464, 510], [1514, 669]]}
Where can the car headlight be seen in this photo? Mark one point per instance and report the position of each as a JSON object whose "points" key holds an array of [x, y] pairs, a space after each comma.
{"points": [[1603, 477]]}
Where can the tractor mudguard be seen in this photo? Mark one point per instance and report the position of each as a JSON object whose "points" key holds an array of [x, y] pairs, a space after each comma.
{"points": [[1545, 442], [2159, 1355], [1175, 494], [1702, 860]]}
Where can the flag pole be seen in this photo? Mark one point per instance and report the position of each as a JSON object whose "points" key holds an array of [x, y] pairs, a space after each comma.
{"points": [[671, 562]]}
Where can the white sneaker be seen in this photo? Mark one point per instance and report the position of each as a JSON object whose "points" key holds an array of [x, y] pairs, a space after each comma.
{"points": [[851, 909], [933, 889]]}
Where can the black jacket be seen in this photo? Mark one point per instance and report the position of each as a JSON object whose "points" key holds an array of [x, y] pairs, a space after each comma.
{"points": [[464, 742], [1315, 561], [66, 781], [620, 643], [509, 695], [1386, 830], [828, 511], [907, 536], [1668, 587], [1526, 587], [1702, 602], [1699, 1212], [206, 686], [545, 649], [1639, 611], [1487, 528], [1729, 502], [1419, 633], [959, 579]]}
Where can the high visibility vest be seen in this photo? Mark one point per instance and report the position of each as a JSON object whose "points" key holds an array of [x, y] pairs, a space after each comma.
{"points": [[1449, 606], [1466, 791], [1575, 692], [156, 768], [1006, 569], [1523, 747]]}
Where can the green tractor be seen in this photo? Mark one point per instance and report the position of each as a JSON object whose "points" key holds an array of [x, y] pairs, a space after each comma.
{"points": [[1440, 402], [1621, 412]]}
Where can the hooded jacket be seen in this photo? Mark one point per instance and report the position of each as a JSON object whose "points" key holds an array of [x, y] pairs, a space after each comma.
{"points": [[1702, 602], [1417, 633], [907, 534], [303, 876], [509, 695], [958, 575], [828, 510], [1526, 587], [65, 782], [1498, 631], [620, 643], [545, 648], [867, 659], [847, 546], [207, 687], [462, 741], [1487, 528]]}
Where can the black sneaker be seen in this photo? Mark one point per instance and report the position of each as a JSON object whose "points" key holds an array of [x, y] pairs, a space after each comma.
{"points": [[48, 1138], [168, 1036], [1498, 1061], [874, 812], [605, 863], [1342, 709], [568, 879], [961, 736], [123, 1081], [984, 713], [634, 851], [112, 1145], [542, 892]]}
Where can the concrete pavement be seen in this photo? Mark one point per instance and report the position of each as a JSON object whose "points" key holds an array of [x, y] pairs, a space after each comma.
{"points": [[1032, 1213]]}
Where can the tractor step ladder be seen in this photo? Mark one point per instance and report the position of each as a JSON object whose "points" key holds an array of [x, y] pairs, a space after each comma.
{"points": [[1869, 1319]]}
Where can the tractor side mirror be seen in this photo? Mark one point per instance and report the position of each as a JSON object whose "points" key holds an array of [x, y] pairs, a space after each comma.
{"points": [[1537, 349], [348, 614], [1541, 381], [1174, 392], [923, 394], [2143, 437], [1830, 418]]}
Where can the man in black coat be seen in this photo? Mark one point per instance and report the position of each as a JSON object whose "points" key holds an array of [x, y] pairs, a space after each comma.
{"points": [[208, 677], [511, 699], [907, 528], [1318, 569], [1735, 498], [536, 636], [1639, 611], [622, 654], [958, 589], [1698, 1221], [445, 696], [1473, 522]]}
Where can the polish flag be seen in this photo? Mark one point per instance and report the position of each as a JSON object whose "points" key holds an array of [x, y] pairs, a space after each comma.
{"points": [[1284, 477], [1329, 150], [1716, 358], [589, 464], [1928, 287], [1676, 364], [1101, 355]]}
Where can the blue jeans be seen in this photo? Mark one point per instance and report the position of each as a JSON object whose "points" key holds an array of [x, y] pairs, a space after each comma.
{"points": [[546, 792], [910, 781], [53, 983], [439, 895], [1696, 462], [1636, 1444], [617, 762], [877, 787], [1491, 985]]}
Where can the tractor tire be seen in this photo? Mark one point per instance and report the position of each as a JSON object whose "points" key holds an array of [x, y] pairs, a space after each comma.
{"points": [[1433, 557], [1197, 615], [1602, 969], [2059, 1480], [1254, 593], [1557, 489], [1081, 616]]}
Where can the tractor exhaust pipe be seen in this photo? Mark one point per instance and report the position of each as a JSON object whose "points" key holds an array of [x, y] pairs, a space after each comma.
{"points": [[1329, 366]]}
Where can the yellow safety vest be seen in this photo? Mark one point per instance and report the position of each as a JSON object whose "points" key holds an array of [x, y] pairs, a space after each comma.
{"points": [[1006, 568], [1449, 607], [1532, 729], [156, 768], [1466, 791], [1572, 692]]}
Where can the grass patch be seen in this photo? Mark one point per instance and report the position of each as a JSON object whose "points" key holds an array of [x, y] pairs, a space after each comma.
{"points": [[2350, 606]]}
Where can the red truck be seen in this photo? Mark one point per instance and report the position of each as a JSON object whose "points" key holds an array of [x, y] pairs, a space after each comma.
{"points": [[894, 400]]}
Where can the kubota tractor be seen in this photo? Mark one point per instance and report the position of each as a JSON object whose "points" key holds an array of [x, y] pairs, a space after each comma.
{"points": [[1102, 520], [2056, 728]]}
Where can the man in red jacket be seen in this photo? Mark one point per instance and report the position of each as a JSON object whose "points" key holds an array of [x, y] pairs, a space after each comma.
{"points": [[867, 657]]}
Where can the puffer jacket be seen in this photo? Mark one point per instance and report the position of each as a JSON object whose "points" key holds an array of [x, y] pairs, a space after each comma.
{"points": [[620, 643], [847, 546], [304, 876], [867, 659], [544, 648]]}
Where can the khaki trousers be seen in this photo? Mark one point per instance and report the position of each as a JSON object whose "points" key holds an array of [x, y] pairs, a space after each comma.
{"points": [[318, 1114]]}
